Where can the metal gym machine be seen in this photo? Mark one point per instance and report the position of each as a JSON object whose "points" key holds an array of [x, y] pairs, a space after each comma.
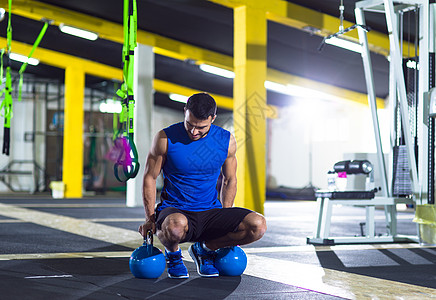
{"points": [[421, 169]]}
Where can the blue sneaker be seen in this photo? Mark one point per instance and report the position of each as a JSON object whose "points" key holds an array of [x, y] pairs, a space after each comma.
{"points": [[175, 266], [204, 260]]}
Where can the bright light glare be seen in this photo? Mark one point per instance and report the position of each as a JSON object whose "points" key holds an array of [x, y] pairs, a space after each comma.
{"points": [[110, 106], [276, 87], [299, 91], [2, 13], [303, 92], [178, 98], [411, 64], [289, 89], [24, 59], [217, 71], [78, 32], [346, 44]]}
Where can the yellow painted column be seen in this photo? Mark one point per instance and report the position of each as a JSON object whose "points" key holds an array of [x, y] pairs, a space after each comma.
{"points": [[72, 172], [250, 109]]}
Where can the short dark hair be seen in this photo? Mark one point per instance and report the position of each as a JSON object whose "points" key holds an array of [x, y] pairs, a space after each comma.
{"points": [[201, 105]]}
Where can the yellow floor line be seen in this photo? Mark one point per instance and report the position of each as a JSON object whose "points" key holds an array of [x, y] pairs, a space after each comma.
{"points": [[11, 221], [97, 220], [332, 282], [341, 218], [64, 255], [305, 276], [248, 251], [68, 205], [101, 232], [139, 220], [311, 248]]}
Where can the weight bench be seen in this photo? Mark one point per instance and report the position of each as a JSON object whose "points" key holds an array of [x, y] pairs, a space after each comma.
{"points": [[326, 200]]}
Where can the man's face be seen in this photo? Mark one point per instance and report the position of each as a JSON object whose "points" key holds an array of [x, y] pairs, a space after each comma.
{"points": [[197, 128]]}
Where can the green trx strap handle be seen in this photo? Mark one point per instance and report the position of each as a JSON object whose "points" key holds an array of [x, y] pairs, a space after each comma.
{"points": [[7, 105], [130, 162]]}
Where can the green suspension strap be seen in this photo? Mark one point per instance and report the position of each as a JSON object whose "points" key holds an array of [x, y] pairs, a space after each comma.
{"points": [[128, 159], [1, 68], [7, 101], [24, 65], [115, 117]]}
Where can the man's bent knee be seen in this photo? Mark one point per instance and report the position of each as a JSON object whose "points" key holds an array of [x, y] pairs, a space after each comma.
{"points": [[255, 225], [173, 228]]}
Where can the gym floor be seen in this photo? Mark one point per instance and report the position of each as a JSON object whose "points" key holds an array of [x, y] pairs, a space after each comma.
{"points": [[80, 249]]}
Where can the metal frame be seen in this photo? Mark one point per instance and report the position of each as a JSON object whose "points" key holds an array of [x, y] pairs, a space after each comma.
{"points": [[427, 97], [371, 99], [321, 233], [385, 6], [397, 88]]}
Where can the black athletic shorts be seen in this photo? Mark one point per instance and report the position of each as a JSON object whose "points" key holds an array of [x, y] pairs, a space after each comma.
{"points": [[206, 225]]}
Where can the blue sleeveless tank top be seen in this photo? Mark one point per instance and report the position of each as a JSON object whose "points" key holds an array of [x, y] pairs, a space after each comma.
{"points": [[192, 168]]}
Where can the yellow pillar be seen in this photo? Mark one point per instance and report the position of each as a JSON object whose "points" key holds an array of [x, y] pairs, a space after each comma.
{"points": [[249, 111], [72, 173]]}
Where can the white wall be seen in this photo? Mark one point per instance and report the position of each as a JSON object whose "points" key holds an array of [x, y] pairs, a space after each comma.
{"points": [[22, 157], [164, 117], [319, 133]]}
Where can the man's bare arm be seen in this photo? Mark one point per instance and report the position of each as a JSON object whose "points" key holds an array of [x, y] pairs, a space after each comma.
{"points": [[153, 167], [229, 183]]}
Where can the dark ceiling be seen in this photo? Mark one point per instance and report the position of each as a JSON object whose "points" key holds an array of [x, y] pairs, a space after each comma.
{"points": [[210, 26]]}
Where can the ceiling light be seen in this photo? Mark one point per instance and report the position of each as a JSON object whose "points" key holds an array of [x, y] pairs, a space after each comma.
{"points": [[276, 87], [178, 98], [311, 29], [78, 32], [24, 59], [304, 92], [299, 91], [217, 71], [2, 13], [110, 106], [346, 44], [292, 90]]}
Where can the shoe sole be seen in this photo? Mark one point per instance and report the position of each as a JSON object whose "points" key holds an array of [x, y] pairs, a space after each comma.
{"points": [[191, 253], [179, 277]]}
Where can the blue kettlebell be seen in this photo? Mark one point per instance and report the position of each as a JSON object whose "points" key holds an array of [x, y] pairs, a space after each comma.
{"points": [[231, 261], [147, 261]]}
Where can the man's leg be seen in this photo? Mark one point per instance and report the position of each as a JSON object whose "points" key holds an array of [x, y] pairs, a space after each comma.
{"points": [[171, 232], [251, 229]]}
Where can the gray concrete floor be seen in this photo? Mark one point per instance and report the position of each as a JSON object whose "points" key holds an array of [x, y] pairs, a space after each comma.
{"points": [[80, 248]]}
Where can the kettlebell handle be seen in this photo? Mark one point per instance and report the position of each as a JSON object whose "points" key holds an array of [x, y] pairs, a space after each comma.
{"points": [[149, 238]]}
